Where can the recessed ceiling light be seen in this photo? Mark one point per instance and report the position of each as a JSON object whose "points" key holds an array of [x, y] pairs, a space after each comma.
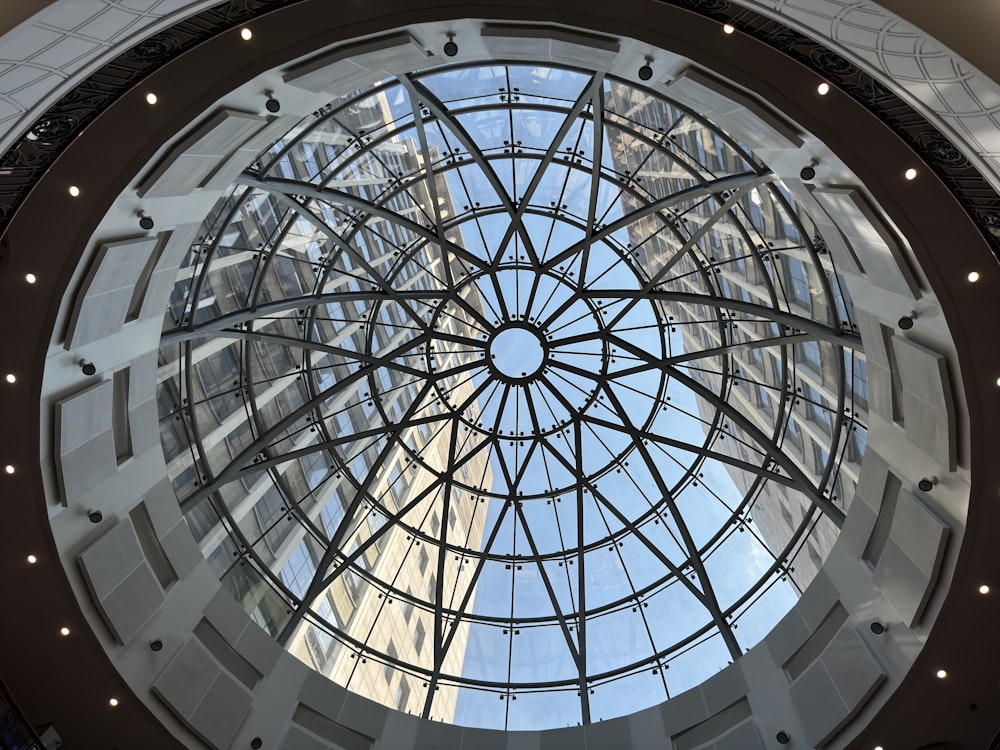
{"points": [[973, 276], [63, 631], [9, 469], [74, 191], [246, 34], [113, 702], [729, 28], [823, 88], [151, 98], [32, 559], [879, 747], [941, 674], [984, 589], [30, 278], [10, 378], [910, 174]]}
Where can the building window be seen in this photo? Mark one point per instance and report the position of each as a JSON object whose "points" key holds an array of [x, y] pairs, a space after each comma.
{"points": [[388, 668], [418, 637], [809, 353], [798, 282], [787, 516], [402, 694]]}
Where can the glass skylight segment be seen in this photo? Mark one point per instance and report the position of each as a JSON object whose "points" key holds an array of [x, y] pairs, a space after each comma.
{"points": [[506, 395]]}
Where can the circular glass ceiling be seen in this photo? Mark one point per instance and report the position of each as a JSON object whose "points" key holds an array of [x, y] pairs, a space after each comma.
{"points": [[512, 396]]}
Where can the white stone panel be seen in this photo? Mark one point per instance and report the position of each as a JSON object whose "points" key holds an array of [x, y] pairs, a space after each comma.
{"points": [[203, 695], [357, 65], [878, 248], [551, 44], [759, 125], [191, 162], [241, 158], [105, 296], [143, 416], [124, 587], [835, 686], [911, 560], [161, 281], [86, 444], [927, 400]]}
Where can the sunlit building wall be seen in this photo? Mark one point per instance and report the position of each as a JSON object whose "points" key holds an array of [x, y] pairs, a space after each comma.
{"points": [[789, 265], [287, 513]]}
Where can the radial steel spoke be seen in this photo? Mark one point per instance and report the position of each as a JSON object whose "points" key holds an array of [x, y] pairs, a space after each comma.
{"points": [[439, 650], [792, 321], [572, 118], [694, 554], [743, 181], [440, 111], [232, 469], [736, 186], [348, 248], [774, 452], [266, 310], [286, 186]]}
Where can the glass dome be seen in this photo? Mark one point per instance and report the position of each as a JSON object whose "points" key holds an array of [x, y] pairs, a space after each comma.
{"points": [[512, 396]]}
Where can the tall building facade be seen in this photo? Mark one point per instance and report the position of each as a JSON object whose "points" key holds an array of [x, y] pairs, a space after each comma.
{"points": [[759, 250], [324, 512]]}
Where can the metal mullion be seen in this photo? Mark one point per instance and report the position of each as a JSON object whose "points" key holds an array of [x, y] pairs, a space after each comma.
{"points": [[332, 443], [208, 254], [743, 180], [345, 247], [820, 331], [689, 245], [315, 346], [737, 184], [441, 114], [254, 416], [597, 159], [498, 436], [581, 582], [482, 559], [572, 118], [262, 312], [548, 585], [719, 351], [636, 595], [395, 519], [431, 178], [583, 481], [317, 585], [439, 651], [478, 324]]}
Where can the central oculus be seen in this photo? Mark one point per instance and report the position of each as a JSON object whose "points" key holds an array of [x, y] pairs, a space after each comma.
{"points": [[516, 352]]}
